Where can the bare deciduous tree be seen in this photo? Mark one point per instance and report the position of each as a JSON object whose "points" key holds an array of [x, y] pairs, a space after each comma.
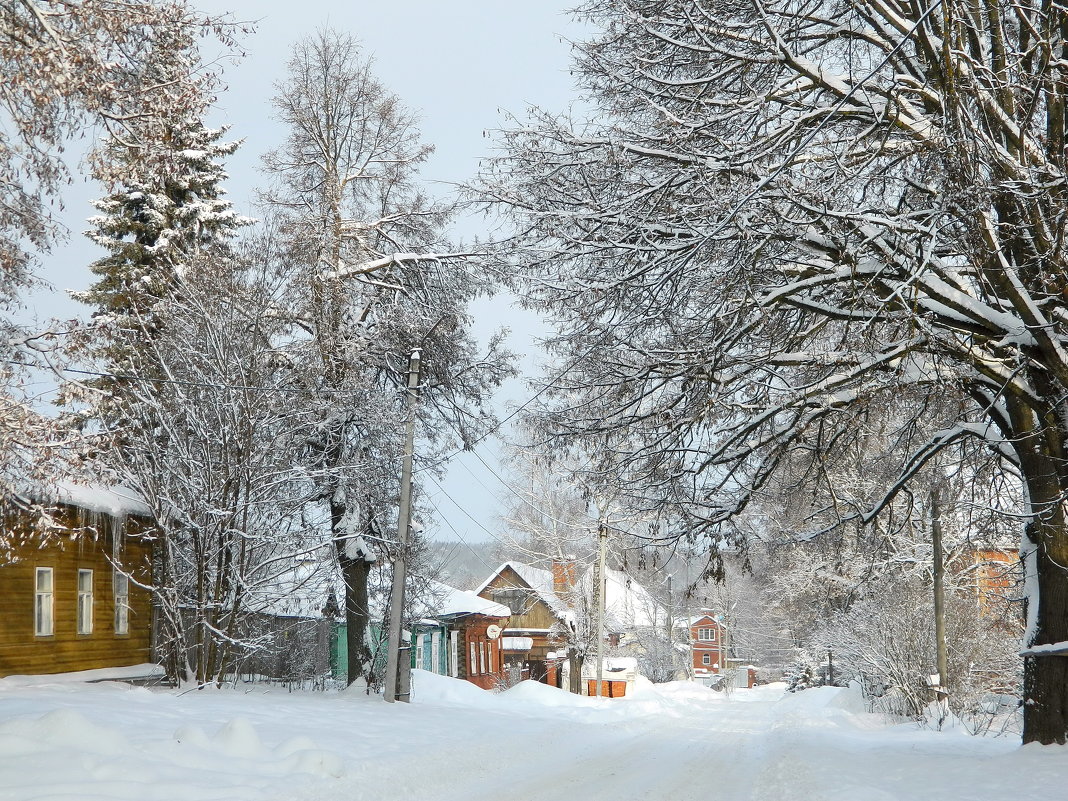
{"points": [[786, 216], [369, 284]]}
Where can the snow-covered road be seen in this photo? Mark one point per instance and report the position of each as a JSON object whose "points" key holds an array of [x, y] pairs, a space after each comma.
{"points": [[97, 742]]}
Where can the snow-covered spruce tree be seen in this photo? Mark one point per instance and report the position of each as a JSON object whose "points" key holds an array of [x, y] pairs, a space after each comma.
{"points": [[368, 285], [166, 212], [66, 67], [787, 214], [166, 203], [801, 674]]}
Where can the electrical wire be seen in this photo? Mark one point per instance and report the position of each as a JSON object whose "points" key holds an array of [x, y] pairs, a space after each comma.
{"points": [[460, 537]]}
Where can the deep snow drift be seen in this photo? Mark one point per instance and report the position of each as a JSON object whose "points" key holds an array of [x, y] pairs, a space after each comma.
{"points": [[63, 739]]}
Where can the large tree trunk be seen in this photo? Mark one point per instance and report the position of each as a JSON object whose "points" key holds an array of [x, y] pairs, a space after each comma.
{"points": [[1046, 676], [575, 661], [1040, 442], [357, 616], [355, 569]]}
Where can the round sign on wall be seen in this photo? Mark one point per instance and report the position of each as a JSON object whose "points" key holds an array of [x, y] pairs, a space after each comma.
{"points": [[493, 631]]}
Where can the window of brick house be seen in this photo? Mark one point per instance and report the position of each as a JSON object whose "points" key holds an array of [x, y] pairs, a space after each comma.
{"points": [[706, 659], [706, 635]]}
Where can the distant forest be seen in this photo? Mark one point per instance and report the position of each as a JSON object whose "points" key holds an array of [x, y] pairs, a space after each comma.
{"points": [[465, 565]]}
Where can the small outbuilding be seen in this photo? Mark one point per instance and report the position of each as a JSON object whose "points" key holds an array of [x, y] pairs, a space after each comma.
{"points": [[618, 675]]}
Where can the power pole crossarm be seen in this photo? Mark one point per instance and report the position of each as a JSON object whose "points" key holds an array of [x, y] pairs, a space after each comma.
{"points": [[400, 568]]}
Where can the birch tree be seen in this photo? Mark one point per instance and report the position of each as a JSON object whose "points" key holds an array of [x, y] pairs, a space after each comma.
{"points": [[785, 216]]}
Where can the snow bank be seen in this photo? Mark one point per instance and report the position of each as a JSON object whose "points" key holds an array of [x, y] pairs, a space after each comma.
{"points": [[110, 742], [430, 688], [146, 670], [61, 729], [534, 693]]}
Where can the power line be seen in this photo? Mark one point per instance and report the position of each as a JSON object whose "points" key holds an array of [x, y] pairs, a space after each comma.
{"points": [[459, 536], [444, 492]]}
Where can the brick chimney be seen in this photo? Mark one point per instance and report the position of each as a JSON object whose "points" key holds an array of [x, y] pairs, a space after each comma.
{"points": [[565, 573]]}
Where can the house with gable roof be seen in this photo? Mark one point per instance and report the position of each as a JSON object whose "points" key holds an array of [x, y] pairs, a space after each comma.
{"points": [[546, 604], [538, 605], [460, 636]]}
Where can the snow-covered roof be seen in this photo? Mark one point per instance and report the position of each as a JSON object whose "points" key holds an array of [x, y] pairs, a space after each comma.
{"points": [[614, 667], [627, 603], [517, 643], [303, 590], [448, 602], [115, 500], [539, 580]]}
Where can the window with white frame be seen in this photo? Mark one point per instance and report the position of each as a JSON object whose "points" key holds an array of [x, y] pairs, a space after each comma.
{"points": [[122, 603], [472, 666], [85, 601], [42, 603], [706, 659], [706, 635], [481, 657]]}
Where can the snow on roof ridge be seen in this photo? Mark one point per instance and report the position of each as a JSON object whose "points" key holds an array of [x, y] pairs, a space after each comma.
{"points": [[514, 565], [538, 579], [628, 603]]}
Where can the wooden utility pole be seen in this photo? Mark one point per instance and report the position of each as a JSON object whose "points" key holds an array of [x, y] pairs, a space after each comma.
{"points": [[400, 567], [670, 633], [602, 536], [942, 651]]}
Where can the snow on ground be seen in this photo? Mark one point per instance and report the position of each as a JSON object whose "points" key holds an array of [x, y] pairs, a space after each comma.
{"points": [[61, 740]]}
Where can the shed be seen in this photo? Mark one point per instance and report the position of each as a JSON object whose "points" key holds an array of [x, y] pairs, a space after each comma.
{"points": [[618, 676]]}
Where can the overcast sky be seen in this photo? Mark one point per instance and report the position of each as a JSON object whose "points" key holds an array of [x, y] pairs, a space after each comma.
{"points": [[462, 65]]}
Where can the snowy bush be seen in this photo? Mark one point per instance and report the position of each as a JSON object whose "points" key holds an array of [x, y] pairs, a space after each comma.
{"points": [[886, 639], [801, 674]]}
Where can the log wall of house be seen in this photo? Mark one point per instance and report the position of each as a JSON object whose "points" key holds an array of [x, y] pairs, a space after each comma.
{"points": [[487, 668], [22, 651], [532, 618], [534, 613]]}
